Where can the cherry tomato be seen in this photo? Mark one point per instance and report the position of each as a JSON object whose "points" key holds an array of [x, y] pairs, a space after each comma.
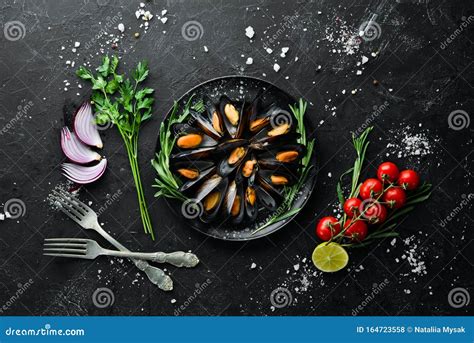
{"points": [[375, 213], [395, 197], [387, 171], [327, 228], [356, 231], [351, 207], [371, 188], [409, 179]]}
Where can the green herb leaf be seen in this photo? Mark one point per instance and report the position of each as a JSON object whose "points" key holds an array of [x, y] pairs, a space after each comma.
{"points": [[84, 73], [103, 69]]}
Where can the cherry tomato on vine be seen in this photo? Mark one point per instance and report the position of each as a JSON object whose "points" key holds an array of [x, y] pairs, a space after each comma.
{"points": [[409, 179], [371, 188], [351, 207], [356, 231], [395, 197], [387, 171], [375, 213], [327, 228]]}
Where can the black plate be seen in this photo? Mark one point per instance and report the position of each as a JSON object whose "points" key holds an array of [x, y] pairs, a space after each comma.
{"points": [[238, 87]]}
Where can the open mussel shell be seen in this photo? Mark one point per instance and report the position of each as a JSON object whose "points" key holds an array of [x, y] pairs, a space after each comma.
{"points": [[250, 201], [214, 117], [231, 161], [249, 167], [191, 138], [279, 177], [192, 172], [233, 116], [213, 200], [273, 115], [234, 202], [266, 199], [205, 124], [274, 135], [288, 153], [195, 154]]}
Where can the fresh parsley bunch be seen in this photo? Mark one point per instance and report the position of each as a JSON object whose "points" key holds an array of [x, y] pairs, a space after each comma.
{"points": [[125, 103]]}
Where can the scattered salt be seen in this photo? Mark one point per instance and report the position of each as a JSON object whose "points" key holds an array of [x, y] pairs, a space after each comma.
{"points": [[249, 32], [249, 60], [276, 67]]}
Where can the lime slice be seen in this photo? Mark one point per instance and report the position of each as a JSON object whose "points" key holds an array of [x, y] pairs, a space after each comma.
{"points": [[330, 257]]}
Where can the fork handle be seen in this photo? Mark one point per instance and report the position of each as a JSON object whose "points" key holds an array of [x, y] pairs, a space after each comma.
{"points": [[154, 274], [177, 258]]}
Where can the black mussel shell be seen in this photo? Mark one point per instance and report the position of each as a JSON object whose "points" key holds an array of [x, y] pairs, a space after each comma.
{"points": [[233, 116], [194, 154], [213, 201], [214, 117], [251, 207], [279, 177], [265, 199], [191, 138], [205, 124], [234, 202], [232, 160], [208, 186], [289, 153], [192, 172]]}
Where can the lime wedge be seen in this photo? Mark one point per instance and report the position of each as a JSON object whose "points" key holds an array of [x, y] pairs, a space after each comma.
{"points": [[330, 257]]}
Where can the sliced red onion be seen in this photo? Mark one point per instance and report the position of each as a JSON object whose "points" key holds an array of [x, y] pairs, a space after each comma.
{"points": [[85, 126], [75, 150], [83, 174]]}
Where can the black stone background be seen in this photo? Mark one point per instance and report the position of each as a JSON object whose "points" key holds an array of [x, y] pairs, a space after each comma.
{"points": [[427, 82]]}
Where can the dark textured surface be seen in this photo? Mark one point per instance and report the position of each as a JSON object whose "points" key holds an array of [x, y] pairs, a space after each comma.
{"points": [[422, 79]]}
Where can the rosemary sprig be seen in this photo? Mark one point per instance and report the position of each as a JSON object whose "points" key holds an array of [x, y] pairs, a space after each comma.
{"points": [[284, 211], [167, 184]]}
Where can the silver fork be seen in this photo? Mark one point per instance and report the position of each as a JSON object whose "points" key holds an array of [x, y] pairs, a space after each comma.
{"points": [[90, 249], [87, 218]]}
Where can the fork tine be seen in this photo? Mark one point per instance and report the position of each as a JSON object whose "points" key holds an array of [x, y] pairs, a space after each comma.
{"points": [[64, 255], [70, 215], [66, 205], [68, 199], [65, 245], [77, 240], [74, 200], [65, 250]]}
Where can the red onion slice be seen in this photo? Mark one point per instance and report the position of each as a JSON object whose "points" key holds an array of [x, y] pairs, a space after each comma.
{"points": [[83, 174], [85, 126], [75, 150]]}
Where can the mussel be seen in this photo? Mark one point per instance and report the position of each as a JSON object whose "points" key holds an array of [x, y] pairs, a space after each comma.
{"points": [[192, 172], [232, 161], [234, 202], [233, 116], [192, 138], [213, 200]]}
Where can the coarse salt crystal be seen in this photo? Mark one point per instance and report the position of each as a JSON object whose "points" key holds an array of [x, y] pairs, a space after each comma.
{"points": [[268, 50], [206, 49], [173, 301], [276, 67], [364, 59], [249, 60], [296, 267], [77, 44], [249, 32], [121, 27], [164, 12], [253, 266], [164, 20]]}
